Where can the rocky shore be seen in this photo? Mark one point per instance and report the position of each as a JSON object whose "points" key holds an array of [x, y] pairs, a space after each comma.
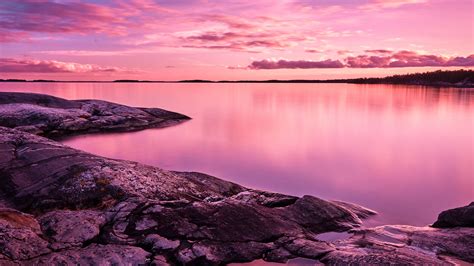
{"points": [[55, 117], [59, 205]]}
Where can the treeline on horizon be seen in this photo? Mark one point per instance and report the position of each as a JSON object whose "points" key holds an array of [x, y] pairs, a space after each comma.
{"points": [[460, 77]]}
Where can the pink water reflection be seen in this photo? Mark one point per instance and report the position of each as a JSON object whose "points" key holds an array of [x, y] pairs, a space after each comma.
{"points": [[406, 152]]}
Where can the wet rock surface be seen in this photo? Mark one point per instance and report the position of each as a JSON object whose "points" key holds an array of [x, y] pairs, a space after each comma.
{"points": [[55, 117], [404, 245], [64, 206]]}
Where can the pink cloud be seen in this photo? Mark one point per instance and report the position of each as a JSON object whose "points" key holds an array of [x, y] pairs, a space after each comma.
{"points": [[315, 51], [343, 52], [379, 4], [366, 61], [301, 64], [243, 33], [9, 36], [407, 59], [12, 65], [242, 41], [231, 21], [379, 51], [393, 60], [47, 16]]}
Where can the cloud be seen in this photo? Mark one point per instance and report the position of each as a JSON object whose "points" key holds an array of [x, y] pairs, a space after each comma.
{"points": [[379, 51], [240, 33], [381, 4], [407, 59], [343, 52], [12, 65], [79, 17], [53, 17], [231, 21], [301, 64], [8, 36], [242, 41], [314, 51], [388, 59]]}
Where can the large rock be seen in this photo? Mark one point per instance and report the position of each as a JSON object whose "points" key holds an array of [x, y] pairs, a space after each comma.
{"points": [[55, 117], [404, 245], [462, 216], [82, 199]]}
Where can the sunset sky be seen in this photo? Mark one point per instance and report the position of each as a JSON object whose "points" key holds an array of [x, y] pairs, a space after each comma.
{"points": [[232, 39]]}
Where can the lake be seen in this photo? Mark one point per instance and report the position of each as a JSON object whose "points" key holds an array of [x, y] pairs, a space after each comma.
{"points": [[404, 151]]}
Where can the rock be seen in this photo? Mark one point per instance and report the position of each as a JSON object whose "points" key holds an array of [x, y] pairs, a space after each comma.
{"points": [[218, 253], [402, 245], [315, 213], [55, 117], [95, 254], [74, 227], [81, 198], [158, 242], [307, 248], [20, 237], [160, 261], [462, 216]]}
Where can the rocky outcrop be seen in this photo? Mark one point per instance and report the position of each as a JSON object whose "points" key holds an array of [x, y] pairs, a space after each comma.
{"points": [[85, 208], [55, 117], [458, 217], [404, 245], [59, 205], [81, 202]]}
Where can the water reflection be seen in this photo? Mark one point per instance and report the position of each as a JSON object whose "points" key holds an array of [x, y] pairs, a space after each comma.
{"points": [[406, 152]]}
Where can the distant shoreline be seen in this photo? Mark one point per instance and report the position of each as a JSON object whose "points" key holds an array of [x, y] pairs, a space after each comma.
{"points": [[444, 85], [441, 85], [457, 78]]}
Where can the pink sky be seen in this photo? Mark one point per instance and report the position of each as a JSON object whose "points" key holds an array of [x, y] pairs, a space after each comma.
{"points": [[232, 39]]}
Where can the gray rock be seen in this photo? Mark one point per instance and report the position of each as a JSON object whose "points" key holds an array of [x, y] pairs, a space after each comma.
{"points": [[95, 254], [74, 227], [307, 248], [55, 117], [462, 216], [404, 245], [159, 243], [121, 202], [20, 236]]}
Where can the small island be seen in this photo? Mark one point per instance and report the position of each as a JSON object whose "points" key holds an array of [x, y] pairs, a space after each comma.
{"points": [[60, 205]]}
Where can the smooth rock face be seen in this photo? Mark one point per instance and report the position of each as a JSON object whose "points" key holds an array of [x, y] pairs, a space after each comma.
{"points": [[73, 227], [55, 117], [463, 216], [404, 245], [87, 209]]}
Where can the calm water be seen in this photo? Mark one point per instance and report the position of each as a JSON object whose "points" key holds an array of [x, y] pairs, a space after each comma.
{"points": [[406, 152]]}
